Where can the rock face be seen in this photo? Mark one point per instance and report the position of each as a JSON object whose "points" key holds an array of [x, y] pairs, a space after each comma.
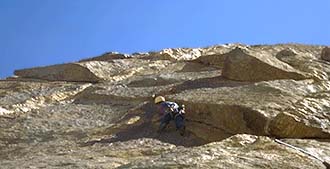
{"points": [[99, 113], [240, 151], [277, 108]]}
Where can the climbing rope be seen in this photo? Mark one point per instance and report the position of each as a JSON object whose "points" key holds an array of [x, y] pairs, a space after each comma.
{"points": [[327, 165]]}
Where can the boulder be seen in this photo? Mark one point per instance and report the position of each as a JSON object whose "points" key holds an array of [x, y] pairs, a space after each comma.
{"points": [[216, 60], [286, 53], [247, 65], [325, 55], [286, 125], [215, 55], [62, 72]]}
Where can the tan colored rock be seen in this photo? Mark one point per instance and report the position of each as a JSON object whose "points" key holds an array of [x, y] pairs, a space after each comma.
{"points": [[63, 72], [215, 60], [139, 88], [107, 57], [188, 54], [308, 63], [4, 111], [258, 109], [325, 55], [122, 69], [286, 125], [319, 148], [247, 65], [239, 151], [23, 97], [113, 123], [176, 54], [96, 71], [215, 55], [286, 53], [313, 50]]}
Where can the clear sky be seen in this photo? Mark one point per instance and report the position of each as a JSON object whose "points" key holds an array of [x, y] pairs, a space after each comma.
{"points": [[44, 32]]}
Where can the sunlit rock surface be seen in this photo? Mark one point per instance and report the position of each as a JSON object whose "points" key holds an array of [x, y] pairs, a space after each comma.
{"points": [[282, 108], [99, 112], [249, 65], [239, 151], [62, 72]]}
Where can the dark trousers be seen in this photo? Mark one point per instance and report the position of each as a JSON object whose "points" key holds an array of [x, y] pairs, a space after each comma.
{"points": [[178, 119]]}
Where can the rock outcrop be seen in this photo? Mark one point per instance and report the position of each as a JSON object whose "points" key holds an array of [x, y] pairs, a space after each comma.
{"points": [[215, 56], [107, 57], [306, 62], [96, 71], [326, 54], [178, 54], [247, 65], [99, 112], [64, 72]]}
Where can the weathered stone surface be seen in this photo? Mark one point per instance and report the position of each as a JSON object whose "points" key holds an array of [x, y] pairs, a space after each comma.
{"points": [[141, 88], [107, 57], [22, 97], [63, 72], [318, 148], [326, 54], [305, 62], [178, 54], [4, 111], [307, 117], [96, 71], [240, 151], [286, 53], [215, 56], [203, 55], [215, 59], [248, 65], [113, 123], [121, 69], [283, 108], [312, 50]]}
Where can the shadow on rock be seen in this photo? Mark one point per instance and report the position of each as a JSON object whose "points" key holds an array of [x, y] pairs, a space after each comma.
{"points": [[147, 130], [213, 82]]}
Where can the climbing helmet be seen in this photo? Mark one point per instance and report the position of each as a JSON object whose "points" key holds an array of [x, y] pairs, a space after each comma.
{"points": [[159, 99]]}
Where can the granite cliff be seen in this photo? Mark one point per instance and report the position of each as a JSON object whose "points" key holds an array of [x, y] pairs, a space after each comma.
{"points": [[99, 113]]}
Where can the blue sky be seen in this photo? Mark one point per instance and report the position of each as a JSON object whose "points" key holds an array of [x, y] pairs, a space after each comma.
{"points": [[44, 32]]}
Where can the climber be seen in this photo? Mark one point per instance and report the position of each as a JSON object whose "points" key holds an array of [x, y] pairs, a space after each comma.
{"points": [[170, 111]]}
